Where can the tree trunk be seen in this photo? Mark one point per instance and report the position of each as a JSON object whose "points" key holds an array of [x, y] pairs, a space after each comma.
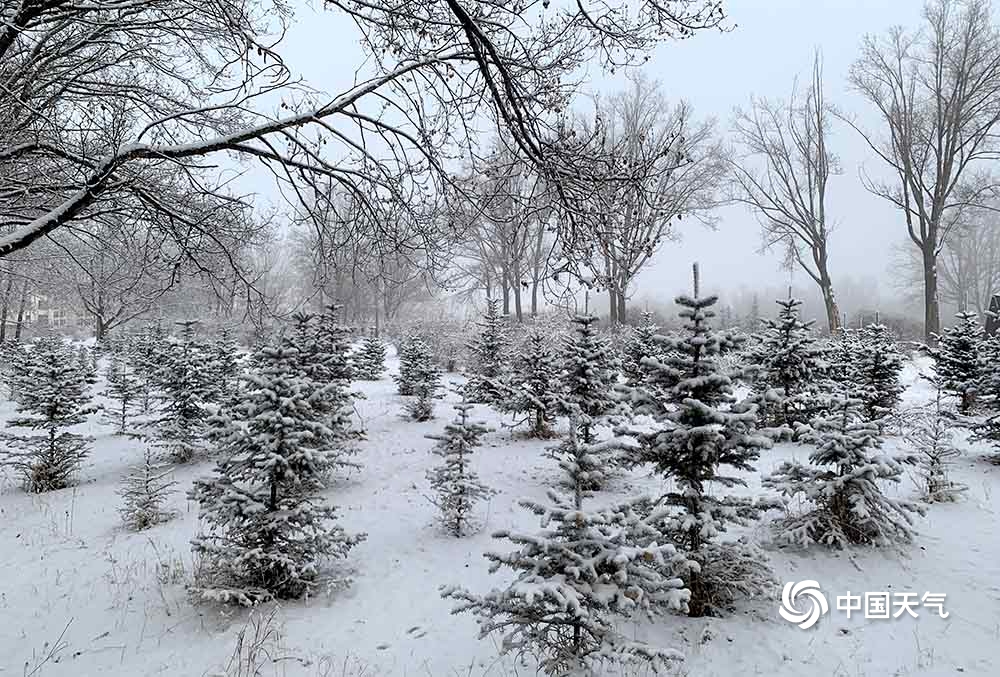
{"points": [[20, 311], [612, 306], [5, 310], [534, 298], [932, 309], [518, 312], [832, 310], [622, 317]]}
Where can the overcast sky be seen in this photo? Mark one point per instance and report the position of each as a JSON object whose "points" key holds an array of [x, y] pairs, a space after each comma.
{"points": [[771, 42]]}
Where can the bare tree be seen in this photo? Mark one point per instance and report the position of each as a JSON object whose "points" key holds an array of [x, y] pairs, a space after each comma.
{"points": [[938, 95], [968, 264], [675, 169], [781, 174], [101, 96]]}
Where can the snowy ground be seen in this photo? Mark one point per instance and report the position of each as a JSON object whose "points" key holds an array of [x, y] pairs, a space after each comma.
{"points": [[98, 600]]}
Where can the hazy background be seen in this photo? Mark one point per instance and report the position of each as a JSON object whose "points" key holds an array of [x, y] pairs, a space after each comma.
{"points": [[771, 42]]}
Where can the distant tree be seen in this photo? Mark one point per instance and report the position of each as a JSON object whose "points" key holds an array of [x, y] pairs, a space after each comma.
{"points": [[369, 361], [184, 384], [490, 354], [124, 389], [936, 95], [639, 345], [782, 175]]}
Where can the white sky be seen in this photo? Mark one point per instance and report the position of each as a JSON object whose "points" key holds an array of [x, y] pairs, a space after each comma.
{"points": [[771, 43]]}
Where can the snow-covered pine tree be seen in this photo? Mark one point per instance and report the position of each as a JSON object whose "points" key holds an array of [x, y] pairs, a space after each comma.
{"points": [[369, 361], [143, 350], [988, 374], [322, 348], [406, 350], [534, 384], [842, 484], [184, 384], [456, 484], [640, 344], [590, 372], [144, 491], [124, 391], [488, 367], [52, 397], [86, 362], [224, 362], [699, 430], [956, 359], [788, 365], [842, 353], [877, 367], [575, 578], [930, 431], [268, 529], [333, 341], [424, 379]]}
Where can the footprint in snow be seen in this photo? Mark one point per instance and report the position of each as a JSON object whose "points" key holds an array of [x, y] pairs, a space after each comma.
{"points": [[416, 631]]}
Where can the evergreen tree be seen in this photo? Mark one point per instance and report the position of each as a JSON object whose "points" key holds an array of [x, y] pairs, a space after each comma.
{"points": [[931, 434], [424, 379], [589, 373], [268, 527], [701, 429], [369, 361], [184, 382], [789, 365], [223, 355], [457, 486], [957, 358], [534, 384], [408, 350], [848, 506], [988, 373], [124, 390], [639, 345], [86, 362], [877, 367], [144, 492], [488, 369], [143, 351], [322, 349], [575, 577], [843, 353], [52, 397]]}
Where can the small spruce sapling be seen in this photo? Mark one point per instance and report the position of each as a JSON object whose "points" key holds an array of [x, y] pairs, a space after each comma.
{"points": [[488, 371], [457, 486], [877, 368], [576, 577], [184, 386], [425, 384], [144, 492], [930, 432], [841, 484]]}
